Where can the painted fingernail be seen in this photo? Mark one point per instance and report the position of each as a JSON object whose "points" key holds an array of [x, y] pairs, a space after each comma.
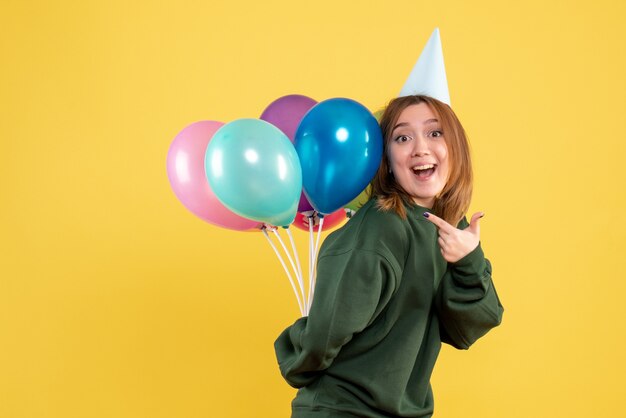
{"points": [[426, 214]]}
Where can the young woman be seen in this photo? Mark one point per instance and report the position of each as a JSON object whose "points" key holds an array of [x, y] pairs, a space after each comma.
{"points": [[405, 274]]}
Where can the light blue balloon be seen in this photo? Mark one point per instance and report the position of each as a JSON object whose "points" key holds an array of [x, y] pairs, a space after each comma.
{"points": [[254, 170]]}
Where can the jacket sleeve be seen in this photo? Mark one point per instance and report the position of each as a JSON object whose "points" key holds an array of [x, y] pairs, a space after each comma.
{"points": [[467, 303], [351, 290]]}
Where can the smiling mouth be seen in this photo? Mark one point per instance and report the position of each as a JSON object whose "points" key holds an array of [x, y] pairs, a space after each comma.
{"points": [[423, 172]]}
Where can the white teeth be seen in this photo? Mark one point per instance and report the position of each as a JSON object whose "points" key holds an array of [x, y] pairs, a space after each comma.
{"points": [[423, 167]]}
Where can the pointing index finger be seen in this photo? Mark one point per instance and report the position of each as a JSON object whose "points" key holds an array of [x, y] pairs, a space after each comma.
{"points": [[440, 223]]}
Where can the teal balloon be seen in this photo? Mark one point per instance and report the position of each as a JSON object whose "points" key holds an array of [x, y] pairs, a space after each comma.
{"points": [[254, 170]]}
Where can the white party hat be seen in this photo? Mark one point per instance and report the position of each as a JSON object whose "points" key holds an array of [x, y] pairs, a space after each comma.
{"points": [[428, 76]]}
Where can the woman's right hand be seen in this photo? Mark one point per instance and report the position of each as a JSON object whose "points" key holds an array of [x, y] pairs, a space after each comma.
{"points": [[456, 243]]}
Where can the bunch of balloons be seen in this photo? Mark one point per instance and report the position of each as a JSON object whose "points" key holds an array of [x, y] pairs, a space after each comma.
{"points": [[299, 156]]}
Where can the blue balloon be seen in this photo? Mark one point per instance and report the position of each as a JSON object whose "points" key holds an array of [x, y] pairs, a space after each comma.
{"points": [[340, 146], [254, 170]]}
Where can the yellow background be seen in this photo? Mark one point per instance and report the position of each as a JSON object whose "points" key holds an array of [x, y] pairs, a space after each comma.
{"points": [[115, 301]]}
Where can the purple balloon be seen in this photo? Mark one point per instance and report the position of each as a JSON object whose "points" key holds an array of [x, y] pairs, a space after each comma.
{"points": [[286, 113], [304, 205]]}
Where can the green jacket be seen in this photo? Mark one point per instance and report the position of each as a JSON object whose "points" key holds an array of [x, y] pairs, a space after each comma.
{"points": [[385, 300]]}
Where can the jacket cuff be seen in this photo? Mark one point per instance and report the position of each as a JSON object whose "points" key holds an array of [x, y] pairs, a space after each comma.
{"points": [[472, 265]]}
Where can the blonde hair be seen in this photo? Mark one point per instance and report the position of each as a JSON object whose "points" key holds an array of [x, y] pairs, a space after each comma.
{"points": [[453, 201]]}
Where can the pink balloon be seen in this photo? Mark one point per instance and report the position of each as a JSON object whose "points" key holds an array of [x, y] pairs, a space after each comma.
{"points": [[330, 221], [185, 170]]}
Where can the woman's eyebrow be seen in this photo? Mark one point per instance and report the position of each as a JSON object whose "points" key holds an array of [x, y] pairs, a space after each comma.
{"points": [[429, 121], [400, 125]]}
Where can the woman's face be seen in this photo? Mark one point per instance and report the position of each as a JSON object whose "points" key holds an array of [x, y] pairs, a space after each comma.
{"points": [[418, 154]]}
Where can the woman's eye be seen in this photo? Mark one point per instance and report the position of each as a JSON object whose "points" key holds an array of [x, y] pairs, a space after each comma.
{"points": [[436, 134], [402, 138]]}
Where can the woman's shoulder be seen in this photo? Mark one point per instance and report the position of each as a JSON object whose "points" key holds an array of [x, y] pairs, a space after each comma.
{"points": [[373, 229], [377, 218]]}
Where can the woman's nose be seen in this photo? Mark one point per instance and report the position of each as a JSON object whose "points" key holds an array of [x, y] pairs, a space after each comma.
{"points": [[420, 146]]}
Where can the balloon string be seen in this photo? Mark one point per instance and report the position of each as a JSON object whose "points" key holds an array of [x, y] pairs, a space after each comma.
{"points": [[280, 258], [297, 257], [292, 264], [317, 243], [310, 263]]}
